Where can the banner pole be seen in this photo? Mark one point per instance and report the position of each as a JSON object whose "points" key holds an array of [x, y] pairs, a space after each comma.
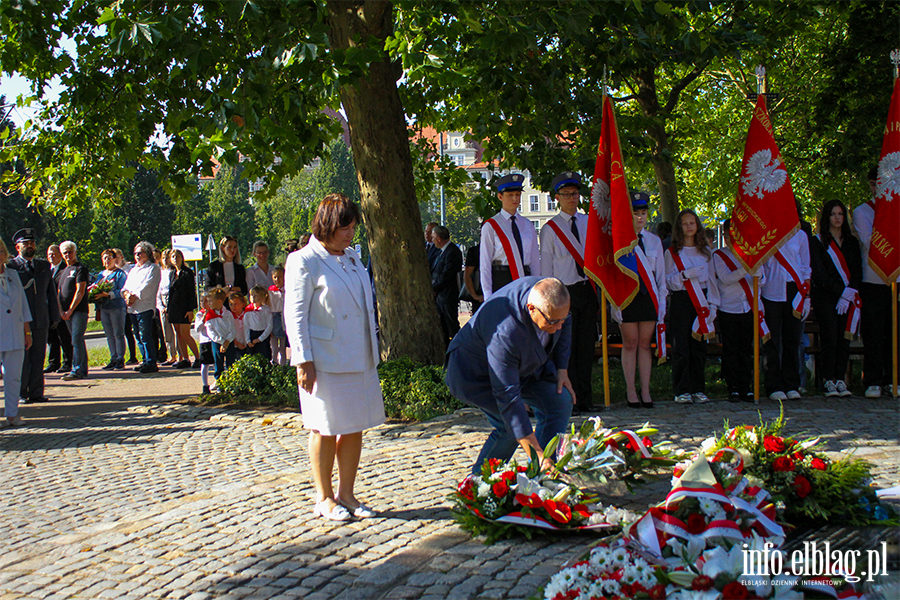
{"points": [[894, 337], [603, 331], [756, 339]]}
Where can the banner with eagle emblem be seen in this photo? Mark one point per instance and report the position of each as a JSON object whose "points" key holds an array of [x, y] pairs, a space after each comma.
{"points": [[765, 213], [884, 248], [610, 231]]}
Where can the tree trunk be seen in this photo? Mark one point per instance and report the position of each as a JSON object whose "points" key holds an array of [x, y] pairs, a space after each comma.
{"points": [[659, 154], [407, 314]]}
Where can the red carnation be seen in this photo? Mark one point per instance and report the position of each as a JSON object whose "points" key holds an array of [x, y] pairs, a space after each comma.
{"points": [[648, 443], [559, 511], [774, 444], [702, 583], [500, 488], [783, 464], [532, 501], [735, 591], [507, 475], [466, 489], [797, 456], [696, 523], [818, 464], [802, 486], [494, 463], [657, 592]]}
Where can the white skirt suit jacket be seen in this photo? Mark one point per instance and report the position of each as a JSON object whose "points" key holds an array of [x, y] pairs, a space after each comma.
{"points": [[329, 315]]}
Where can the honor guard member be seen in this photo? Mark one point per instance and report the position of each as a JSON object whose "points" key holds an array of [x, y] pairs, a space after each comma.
{"points": [[509, 246], [562, 256], [40, 291]]}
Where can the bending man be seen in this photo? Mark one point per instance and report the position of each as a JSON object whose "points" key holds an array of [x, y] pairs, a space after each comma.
{"points": [[506, 356]]}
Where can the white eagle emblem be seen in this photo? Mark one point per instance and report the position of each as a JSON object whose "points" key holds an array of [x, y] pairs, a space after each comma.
{"points": [[602, 204], [763, 174], [888, 183]]}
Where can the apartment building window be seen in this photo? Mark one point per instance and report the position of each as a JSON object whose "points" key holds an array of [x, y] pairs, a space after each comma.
{"points": [[537, 226], [534, 202], [551, 203]]}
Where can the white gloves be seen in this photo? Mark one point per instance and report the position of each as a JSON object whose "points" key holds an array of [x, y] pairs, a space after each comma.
{"points": [[691, 273], [712, 313], [842, 306], [849, 294], [805, 312], [616, 314]]}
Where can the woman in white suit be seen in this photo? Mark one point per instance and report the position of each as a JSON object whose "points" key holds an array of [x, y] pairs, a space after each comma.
{"points": [[329, 316], [15, 337]]}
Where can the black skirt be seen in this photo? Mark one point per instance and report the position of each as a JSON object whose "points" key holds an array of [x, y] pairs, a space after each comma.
{"points": [[641, 309], [206, 354]]}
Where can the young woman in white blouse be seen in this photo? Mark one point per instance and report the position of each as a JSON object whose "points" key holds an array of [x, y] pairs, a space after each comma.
{"points": [[692, 306]]}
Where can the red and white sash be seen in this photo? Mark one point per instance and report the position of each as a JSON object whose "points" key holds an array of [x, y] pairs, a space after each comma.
{"points": [[702, 329], [569, 242], [211, 314], [650, 283], [800, 300], [837, 257], [748, 293], [512, 256]]}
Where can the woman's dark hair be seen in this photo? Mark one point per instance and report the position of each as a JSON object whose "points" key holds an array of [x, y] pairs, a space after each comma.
{"points": [[825, 225], [700, 241], [335, 211], [110, 251]]}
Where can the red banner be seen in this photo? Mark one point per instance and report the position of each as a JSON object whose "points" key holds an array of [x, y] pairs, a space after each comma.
{"points": [[884, 247], [765, 214], [609, 257]]}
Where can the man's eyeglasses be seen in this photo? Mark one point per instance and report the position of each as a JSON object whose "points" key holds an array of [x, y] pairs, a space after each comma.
{"points": [[568, 195], [550, 322]]}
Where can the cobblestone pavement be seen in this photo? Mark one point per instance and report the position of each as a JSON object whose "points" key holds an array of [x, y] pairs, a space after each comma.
{"points": [[165, 501]]}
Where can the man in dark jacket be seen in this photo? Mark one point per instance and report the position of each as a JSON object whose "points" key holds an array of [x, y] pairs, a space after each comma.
{"points": [[445, 282], [40, 291], [507, 356]]}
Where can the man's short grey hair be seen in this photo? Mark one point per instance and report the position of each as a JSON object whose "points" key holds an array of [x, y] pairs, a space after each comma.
{"points": [[68, 244], [53, 247], [549, 294], [441, 231], [147, 248]]}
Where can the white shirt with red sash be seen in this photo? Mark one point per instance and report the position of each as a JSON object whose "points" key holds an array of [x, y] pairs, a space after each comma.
{"points": [[735, 287], [493, 250], [796, 254], [557, 244], [705, 304], [863, 216], [219, 326]]}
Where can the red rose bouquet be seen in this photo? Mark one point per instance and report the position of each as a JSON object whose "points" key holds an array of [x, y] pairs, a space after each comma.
{"points": [[507, 499]]}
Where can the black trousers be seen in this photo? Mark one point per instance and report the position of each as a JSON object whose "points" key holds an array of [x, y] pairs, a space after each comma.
{"points": [[448, 311], [783, 348], [688, 354], [736, 330], [584, 307], [835, 352], [129, 339], [33, 366], [60, 342], [875, 327]]}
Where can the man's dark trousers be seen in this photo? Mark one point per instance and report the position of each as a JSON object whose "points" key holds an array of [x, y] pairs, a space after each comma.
{"points": [[584, 307]]}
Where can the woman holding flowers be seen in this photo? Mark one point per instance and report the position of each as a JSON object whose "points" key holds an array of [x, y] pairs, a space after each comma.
{"points": [[836, 264], [109, 284], [329, 316]]}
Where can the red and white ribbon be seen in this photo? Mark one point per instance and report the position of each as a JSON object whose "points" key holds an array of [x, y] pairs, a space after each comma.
{"points": [[650, 284], [702, 329], [840, 263], [748, 293], [513, 258], [802, 296]]}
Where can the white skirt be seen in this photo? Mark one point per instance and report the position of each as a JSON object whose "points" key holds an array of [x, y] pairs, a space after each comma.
{"points": [[343, 403]]}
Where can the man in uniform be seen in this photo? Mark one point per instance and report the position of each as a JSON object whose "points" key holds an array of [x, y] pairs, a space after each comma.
{"points": [[562, 256], [509, 246], [40, 290], [508, 356]]}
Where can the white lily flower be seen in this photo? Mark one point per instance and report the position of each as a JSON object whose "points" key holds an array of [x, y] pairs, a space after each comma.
{"points": [[707, 445], [718, 560], [685, 555]]}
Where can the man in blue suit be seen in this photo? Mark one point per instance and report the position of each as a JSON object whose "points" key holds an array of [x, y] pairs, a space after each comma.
{"points": [[506, 357]]}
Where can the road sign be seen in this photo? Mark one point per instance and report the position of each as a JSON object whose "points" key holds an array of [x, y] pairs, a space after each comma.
{"points": [[190, 245], [210, 243]]}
